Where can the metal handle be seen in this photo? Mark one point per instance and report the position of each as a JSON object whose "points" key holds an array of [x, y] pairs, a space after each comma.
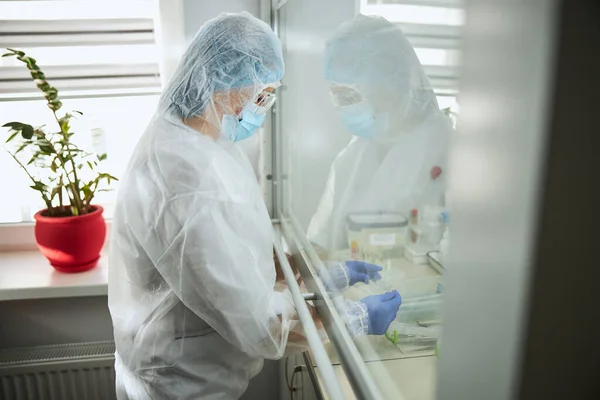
{"points": [[309, 296], [332, 386], [354, 366], [311, 374]]}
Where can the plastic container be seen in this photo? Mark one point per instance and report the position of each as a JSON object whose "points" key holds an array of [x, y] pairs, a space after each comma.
{"points": [[377, 236], [422, 311], [417, 324], [412, 338], [435, 261], [414, 288]]}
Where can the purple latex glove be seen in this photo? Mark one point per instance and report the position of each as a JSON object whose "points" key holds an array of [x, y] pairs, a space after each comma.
{"points": [[360, 271], [382, 309]]}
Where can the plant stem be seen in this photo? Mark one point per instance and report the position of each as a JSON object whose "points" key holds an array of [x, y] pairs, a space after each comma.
{"points": [[44, 197], [75, 184], [60, 193]]}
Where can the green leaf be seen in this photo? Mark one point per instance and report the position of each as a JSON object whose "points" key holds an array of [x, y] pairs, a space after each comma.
{"points": [[64, 125], [27, 131], [8, 54], [43, 86], [16, 52], [14, 125], [38, 186], [53, 166], [46, 147], [11, 137], [87, 191], [55, 105], [102, 157], [50, 95], [90, 165], [78, 112], [33, 158], [37, 74], [21, 147]]}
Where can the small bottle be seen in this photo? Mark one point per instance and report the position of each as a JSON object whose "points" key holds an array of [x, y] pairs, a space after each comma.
{"points": [[414, 217], [98, 138], [353, 250], [413, 223]]}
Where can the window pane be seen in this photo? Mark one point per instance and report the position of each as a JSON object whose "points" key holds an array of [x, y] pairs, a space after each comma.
{"points": [[123, 120], [87, 55], [82, 9], [412, 14]]}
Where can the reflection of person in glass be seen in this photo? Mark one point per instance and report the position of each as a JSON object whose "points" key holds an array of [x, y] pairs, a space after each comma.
{"points": [[400, 136]]}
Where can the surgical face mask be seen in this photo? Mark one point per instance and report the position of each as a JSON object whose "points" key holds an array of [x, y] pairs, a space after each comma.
{"points": [[361, 120], [241, 127], [357, 114]]}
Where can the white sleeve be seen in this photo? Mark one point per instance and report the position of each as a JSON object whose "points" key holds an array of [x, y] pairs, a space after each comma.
{"points": [[218, 261]]}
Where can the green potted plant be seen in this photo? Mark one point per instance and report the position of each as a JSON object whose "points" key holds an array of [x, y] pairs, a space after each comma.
{"points": [[71, 230]]}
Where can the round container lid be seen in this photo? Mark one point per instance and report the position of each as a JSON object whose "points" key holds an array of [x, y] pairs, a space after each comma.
{"points": [[376, 220]]}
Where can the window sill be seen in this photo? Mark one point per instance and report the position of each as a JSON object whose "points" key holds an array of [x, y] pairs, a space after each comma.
{"points": [[26, 275], [20, 237]]}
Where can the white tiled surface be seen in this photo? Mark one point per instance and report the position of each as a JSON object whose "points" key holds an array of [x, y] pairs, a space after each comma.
{"points": [[28, 275]]}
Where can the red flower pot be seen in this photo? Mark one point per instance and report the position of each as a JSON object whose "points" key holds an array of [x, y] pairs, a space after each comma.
{"points": [[71, 244]]}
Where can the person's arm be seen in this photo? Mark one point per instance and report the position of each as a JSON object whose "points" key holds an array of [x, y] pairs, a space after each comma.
{"points": [[341, 275], [218, 261]]}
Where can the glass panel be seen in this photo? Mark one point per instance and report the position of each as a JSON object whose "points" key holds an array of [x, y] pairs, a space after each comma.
{"points": [[363, 132]]}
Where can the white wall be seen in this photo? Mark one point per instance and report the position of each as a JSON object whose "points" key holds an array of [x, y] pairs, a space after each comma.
{"points": [[197, 12]]}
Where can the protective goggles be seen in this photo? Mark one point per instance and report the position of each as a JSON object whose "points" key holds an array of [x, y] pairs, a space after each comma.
{"points": [[344, 95], [263, 102]]}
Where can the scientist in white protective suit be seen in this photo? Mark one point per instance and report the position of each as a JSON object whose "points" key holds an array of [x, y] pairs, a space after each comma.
{"points": [[191, 272], [398, 152]]}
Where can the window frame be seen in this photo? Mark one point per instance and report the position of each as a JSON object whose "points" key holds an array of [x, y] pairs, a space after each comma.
{"points": [[170, 40]]}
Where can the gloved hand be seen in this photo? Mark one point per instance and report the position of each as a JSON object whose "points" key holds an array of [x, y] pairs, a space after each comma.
{"points": [[382, 309], [360, 271]]}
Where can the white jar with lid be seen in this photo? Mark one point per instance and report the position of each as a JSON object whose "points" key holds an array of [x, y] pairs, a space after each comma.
{"points": [[377, 235]]}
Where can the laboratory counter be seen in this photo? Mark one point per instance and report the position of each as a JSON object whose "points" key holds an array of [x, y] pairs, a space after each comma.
{"points": [[409, 374], [413, 378]]}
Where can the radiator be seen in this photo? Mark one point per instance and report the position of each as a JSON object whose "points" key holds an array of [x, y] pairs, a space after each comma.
{"points": [[78, 371]]}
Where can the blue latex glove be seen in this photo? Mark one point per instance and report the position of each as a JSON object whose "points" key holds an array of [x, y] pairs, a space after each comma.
{"points": [[382, 309], [360, 271]]}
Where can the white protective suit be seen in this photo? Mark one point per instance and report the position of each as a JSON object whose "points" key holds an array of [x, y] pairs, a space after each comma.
{"points": [[392, 172], [191, 273]]}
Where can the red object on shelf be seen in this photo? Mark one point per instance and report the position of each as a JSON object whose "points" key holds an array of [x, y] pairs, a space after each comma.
{"points": [[435, 172], [71, 244]]}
